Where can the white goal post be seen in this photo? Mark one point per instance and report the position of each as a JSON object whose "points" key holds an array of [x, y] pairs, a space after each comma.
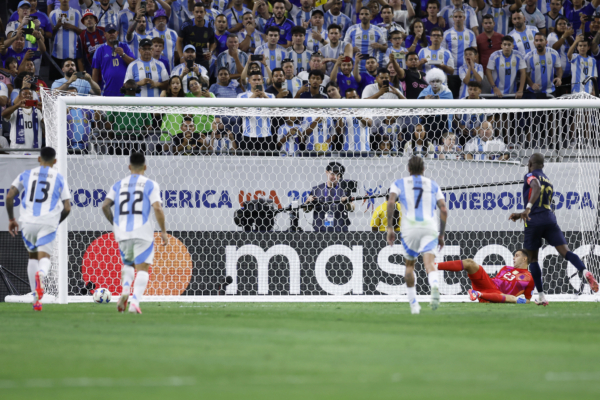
{"points": [[202, 191]]}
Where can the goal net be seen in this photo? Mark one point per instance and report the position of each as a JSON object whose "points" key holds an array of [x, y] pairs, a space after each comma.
{"points": [[276, 250]]}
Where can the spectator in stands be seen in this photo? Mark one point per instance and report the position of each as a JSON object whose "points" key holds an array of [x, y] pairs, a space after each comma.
{"points": [[316, 35], [544, 69], [179, 15], [55, 4], [272, 52], [200, 35], [469, 123], [14, 46], [78, 125], [200, 89], [29, 68], [220, 140], [35, 13], [533, 16], [469, 71], [152, 8], [189, 68], [417, 39], [333, 91], [110, 62], [289, 136], [125, 18], [522, 34], [158, 45], [396, 50], [234, 15], [342, 74], [66, 27], [419, 145], [435, 125], [298, 52], [32, 41], [356, 133], [24, 80], [253, 67], [335, 16], [577, 9], [105, 11], [432, 20], [335, 48], [366, 38], [4, 95], [278, 88], [171, 122], [449, 149], [150, 75], [351, 94], [389, 26], [470, 14], [382, 89], [502, 70], [500, 12], [233, 59], [30, 55], [12, 68], [583, 66], [478, 147], [261, 10], [456, 40], [169, 37], [489, 40], [187, 141], [136, 33], [85, 85], [313, 89], [225, 86], [315, 64], [553, 15], [292, 82], [560, 40], [25, 118], [250, 37], [368, 77], [394, 78], [256, 130], [412, 76], [436, 56], [89, 40]]}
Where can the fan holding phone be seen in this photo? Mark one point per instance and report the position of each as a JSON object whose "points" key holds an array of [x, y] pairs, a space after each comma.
{"points": [[25, 120]]}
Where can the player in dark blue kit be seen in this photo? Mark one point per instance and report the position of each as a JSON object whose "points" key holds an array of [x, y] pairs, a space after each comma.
{"points": [[540, 222]]}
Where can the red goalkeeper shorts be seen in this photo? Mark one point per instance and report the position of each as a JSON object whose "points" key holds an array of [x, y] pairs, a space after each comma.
{"points": [[483, 283]]}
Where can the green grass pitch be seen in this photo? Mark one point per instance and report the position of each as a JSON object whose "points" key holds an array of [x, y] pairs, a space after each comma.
{"points": [[300, 351]]}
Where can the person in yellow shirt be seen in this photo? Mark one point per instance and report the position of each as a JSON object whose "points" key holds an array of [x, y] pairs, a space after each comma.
{"points": [[379, 218]]}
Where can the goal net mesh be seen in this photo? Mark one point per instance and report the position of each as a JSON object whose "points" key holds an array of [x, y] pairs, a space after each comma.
{"points": [[478, 156]]}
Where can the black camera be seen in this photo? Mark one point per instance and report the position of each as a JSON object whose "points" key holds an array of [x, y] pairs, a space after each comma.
{"points": [[256, 57], [256, 216]]}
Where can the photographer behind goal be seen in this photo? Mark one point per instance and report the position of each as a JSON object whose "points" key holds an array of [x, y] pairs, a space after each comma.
{"points": [[329, 216]]}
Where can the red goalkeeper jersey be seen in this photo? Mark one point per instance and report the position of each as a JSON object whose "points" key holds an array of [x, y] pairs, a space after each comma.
{"points": [[514, 281]]}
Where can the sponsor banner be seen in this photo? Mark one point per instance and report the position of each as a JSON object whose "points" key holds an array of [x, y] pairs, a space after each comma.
{"points": [[202, 193]]}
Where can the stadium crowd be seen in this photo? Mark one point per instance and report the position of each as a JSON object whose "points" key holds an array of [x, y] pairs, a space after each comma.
{"points": [[382, 49]]}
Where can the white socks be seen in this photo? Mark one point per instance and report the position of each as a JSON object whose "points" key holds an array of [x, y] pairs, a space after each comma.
{"points": [[139, 286], [44, 266], [127, 275], [433, 279], [412, 295], [32, 268]]}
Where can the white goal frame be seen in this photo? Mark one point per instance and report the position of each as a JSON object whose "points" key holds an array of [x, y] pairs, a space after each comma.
{"points": [[63, 102]]}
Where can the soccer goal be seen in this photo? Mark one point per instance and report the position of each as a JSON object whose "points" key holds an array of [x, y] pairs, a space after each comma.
{"points": [[277, 250]]}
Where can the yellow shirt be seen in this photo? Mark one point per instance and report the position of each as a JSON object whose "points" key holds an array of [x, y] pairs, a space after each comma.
{"points": [[379, 219]]}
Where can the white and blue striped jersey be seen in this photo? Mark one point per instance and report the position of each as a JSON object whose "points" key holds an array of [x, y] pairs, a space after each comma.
{"points": [[542, 69], [125, 17], [220, 5], [110, 16], [300, 59], [564, 49], [152, 69], [524, 40], [542, 5], [505, 70], [292, 143], [551, 22], [234, 16], [226, 61], [434, 55], [133, 198], [363, 39], [536, 19], [170, 38], [65, 41], [472, 121], [134, 43], [293, 85], [502, 16], [257, 39], [342, 20], [470, 16], [298, 16], [356, 135], [311, 44], [43, 191], [581, 69], [179, 16], [256, 127], [462, 73], [333, 52], [456, 42], [418, 196], [317, 141], [178, 70], [272, 57], [391, 52]]}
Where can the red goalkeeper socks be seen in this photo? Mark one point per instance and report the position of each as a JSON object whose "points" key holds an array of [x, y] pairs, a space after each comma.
{"points": [[451, 266], [493, 297]]}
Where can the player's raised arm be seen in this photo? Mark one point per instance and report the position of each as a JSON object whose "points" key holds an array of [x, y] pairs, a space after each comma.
{"points": [[391, 209], [13, 225], [441, 203], [160, 218]]}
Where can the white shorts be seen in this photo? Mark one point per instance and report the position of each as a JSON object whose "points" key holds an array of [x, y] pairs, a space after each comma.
{"points": [[136, 251], [38, 237], [419, 241]]}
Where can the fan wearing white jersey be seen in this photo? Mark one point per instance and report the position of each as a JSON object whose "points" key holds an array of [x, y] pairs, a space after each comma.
{"points": [[418, 196], [134, 198], [44, 205]]}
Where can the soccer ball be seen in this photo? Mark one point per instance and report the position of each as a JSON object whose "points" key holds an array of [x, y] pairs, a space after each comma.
{"points": [[102, 296]]}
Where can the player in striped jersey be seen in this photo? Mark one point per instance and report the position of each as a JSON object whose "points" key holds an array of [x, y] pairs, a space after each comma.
{"points": [[66, 27], [503, 67], [272, 52], [44, 205], [523, 34], [168, 35], [436, 56], [337, 17], [583, 67], [292, 83], [150, 75], [335, 48], [501, 14], [470, 16], [470, 71], [543, 65], [125, 16], [134, 198], [419, 197], [458, 38], [316, 35], [366, 38], [298, 52]]}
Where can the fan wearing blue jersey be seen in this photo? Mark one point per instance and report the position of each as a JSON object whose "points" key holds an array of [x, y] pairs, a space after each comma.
{"points": [[583, 67], [544, 69], [503, 67], [45, 204], [250, 37], [501, 13], [335, 16], [419, 197], [540, 223], [134, 199], [298, 52], [292, 82], [434, 56], [150, 75], [533, 16], [168, 35], [280, 22], [471, 16], [272, 52], [316, 35], [66, 27], [366, 38], [553, 15], [560, 40], [256, 130], [470, 71], [234, 15], [523, 34], [458, 38]]}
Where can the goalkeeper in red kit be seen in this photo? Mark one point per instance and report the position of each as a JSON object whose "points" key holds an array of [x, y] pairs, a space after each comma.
{"points": [[505, 287]]}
